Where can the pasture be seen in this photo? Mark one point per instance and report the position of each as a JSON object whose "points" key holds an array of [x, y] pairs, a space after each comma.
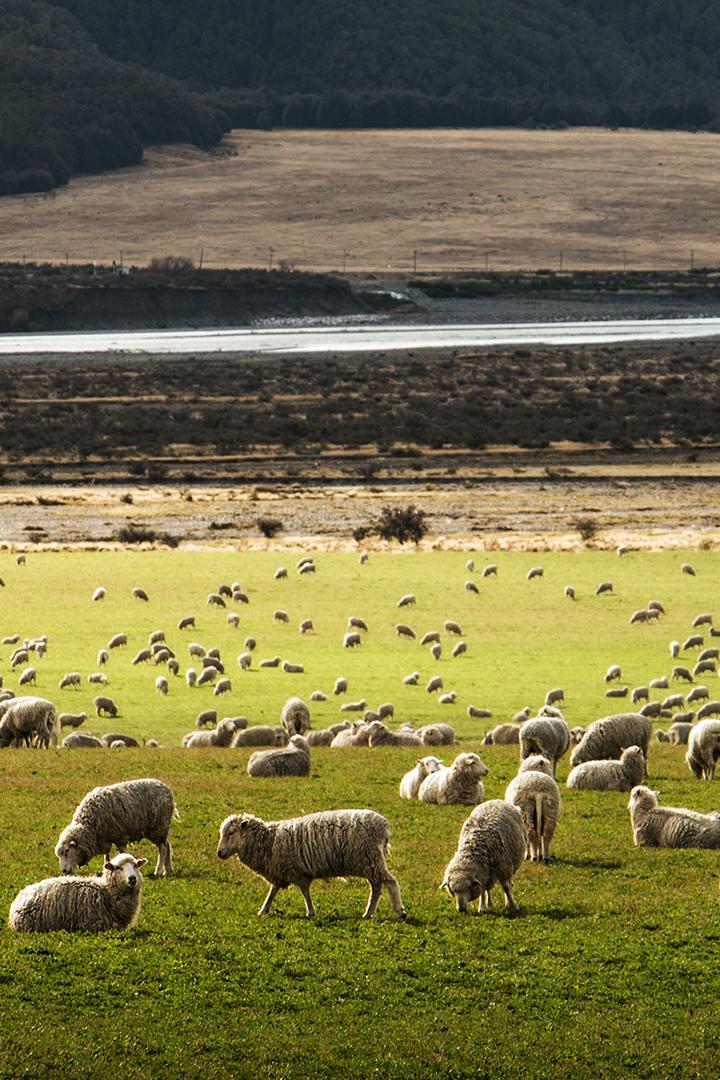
{"points": [[609, 967]]}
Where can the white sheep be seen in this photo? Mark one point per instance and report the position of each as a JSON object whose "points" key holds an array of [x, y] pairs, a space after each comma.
{"points": [[221, 736], [490, 850], [161, 685], [609, 774], [534, 571], [297, 851], [94, 904], [411, 781], [459, 783], [72, 678], [27, 719], [545, 735], [403, 630], [291, 760], [223, 686], [99, 593], [608, 737], [295, 716], [704, 749], [407, 600], [536, 795], [668, 826]]}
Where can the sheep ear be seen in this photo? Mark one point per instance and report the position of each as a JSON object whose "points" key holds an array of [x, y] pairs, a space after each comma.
{"points": [[140, 862], [445, 884], [109, 865]]}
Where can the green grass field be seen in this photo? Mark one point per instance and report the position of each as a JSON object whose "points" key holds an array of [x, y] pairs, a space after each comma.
{"points": [[610, 968]]}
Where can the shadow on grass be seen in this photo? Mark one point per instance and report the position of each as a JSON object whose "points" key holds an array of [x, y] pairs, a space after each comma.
{"points": [[595, 864]]}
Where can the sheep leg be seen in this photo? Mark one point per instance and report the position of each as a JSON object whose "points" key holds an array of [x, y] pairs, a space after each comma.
{"points": [[265, 909], [510, 901], [396, 900], [168, 858], [375, 890], [309, 909]]}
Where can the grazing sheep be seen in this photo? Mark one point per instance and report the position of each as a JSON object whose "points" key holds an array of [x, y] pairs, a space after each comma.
{"points": [[704, 749], [411, 781], [352, 639], [155, 637], [698, 693], [478, 714], [98, 678], [640, 693], [457, 784], [703, 667], [73, 720], [436, 651], [437, 735], [688, 569], [274, 662], [613, 672], [73, 678], [215, 600], [662, 736], [556, 694], [119, 814], [652, 709], [695, 641], [387, 709], [434, 684], [224, 686], [207, 675], [536, 795], [411, 680], [709, 654], [102, 657], [711, 708], [28, 677], [244, 661], [491, 848], [191, 677], [99, 593], [610, 775], [20, 656], [221, 736], [548, 736], [140, 594], [407, 600], [459, 649], [341, 685], [24, 719], [94, 904], [173, 666], [186, 622], [470, 586], [673, 701], [292, 669], [668, 826], [291, 760], [431, 637], [295, 716], [105, 706], [161, 685], [503, 735], [281, 616], [261, 735], [490, 570], [364, 556], [81, 740], [380, 735], [118, 641], [662, 682], [534, 571], [452, 627], [608, 737], [470, 566], [674, 649], [112, 737], [233, 619], [642, 615], [404, 631], [569, 592], [196, 649], [334, 843], [704, 619], [20, 560], [603, 587], [280, 573], [306, 627], [143, 657]]}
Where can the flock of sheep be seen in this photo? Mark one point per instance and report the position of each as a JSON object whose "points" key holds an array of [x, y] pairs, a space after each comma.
{"points": [[610, 755]]}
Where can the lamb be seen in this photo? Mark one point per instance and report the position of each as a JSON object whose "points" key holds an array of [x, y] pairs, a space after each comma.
{"points": [[73, 720], [402, 630], [704, 749], [292, 760], [222, 735], [295, 716], [608, 737], [523, 715], [502, 735], [380, 735], [492, 844], [411, 781], [536, 795], [27, 718], [72, 678], [81, 740], [111, 902], [261, 735], [119, 814], [545, 735], [317, 695], [112, 738], [668, 826], [679, 732], [437, 735], [610, 775], [460, 783], [333, 843], [406, 600]]}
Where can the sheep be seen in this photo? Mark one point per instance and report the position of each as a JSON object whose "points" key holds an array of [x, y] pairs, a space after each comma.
{"points": [[357, 734], [94, 904], [213, 661], [173, 666], [268, 663], [545, 735], [503, 735], [155, 637], [437, 735], [140, 594], [470, 586], [536, 795], [240, 597], [674, 649], [655, 605], [141, 657], [326, 736], [407, 600], [709, 654], [402, 630], [556, 694], [533, 572], [662, 736], [186, 622], [233, 619], [673, 701], [668, 826], [161, 685], [608, 737], [207, 675], [28, 677], [640, 693], [224, 686], [478, 714], [704, 619], [387, 709], [434, 684], [411, 680], [99, 593], [576, 734], [352, 639], [662, 682], [191, 677], [459, 649], [98, 678], [12, 639], [679, 732], [431, 637], [448, 699], [118, 641], [686, 568], [280, 573], [617, 692], [292, 669], [71, 679], [411, 781], [613, 672], [470, 566], [81, 740], [710, 708], [364, 557], [73, 720], [292, 760], [610, 775], [652, 709], [695, 641], [224, 590], [698, 693], [491, 848], [244, 661], [604, 587], [119, 814], [642, 615], [569, 592], [341, 685], [105, 706], [261, 735], [112, 737], [215, 600], [380, 735], [333, 843], [20, 656], [704, 749], [221, 736], [317, 695], [196, 649], [295, 716], [703, 667], [356, 623], [306, 627], [26, 718], [457, 784], [490, 570], [523, 715]]}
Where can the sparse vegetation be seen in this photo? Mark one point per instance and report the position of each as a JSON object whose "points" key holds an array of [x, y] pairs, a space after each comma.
{"points": [[269, 527]]}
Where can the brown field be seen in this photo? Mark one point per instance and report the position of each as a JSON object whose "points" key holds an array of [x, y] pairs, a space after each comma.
{"points": [[367, 200]]}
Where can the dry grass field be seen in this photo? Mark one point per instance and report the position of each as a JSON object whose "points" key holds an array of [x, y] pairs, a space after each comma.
{"points": [[369, 199]]}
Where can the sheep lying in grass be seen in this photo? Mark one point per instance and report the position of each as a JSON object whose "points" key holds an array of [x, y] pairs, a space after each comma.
{"points": [[295, 716], [459, 784], [536, 795], [704, 749], [261, 735], [545, 735], [81, 740], [333, 843], [326, 735], [671, 827], [503, 735], [608, 737], [411, 781], [291, 760], [110, 902], [356, 735], [112, 737], [118, 815], [380, 735], [222, 735], [610, 775], [437, 735], [490, 851]]}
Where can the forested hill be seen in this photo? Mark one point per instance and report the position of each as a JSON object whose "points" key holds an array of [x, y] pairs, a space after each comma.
{"points": [[84, 84]]}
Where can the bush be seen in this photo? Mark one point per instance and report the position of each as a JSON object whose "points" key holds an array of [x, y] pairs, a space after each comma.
{"points": [[401, 523], [170, 264], [586, 527], [269, 527]]}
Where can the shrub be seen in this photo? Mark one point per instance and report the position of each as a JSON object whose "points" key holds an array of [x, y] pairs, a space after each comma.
{"points": [[401, 523], [169, 264], [269, 527], [586, 527]]}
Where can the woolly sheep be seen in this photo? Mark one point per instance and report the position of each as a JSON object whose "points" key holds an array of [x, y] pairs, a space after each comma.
{"points": [[673, 701], [437, 735], [233, 619], [470, 586], [102, 657], [141, 657], [94, 904], [608, 737], [679, 732], [215, 600], [292, 760], [20, 656], [98, 678], [296, 851], [407, 600], [411, 781], [640, 693], [385, 710], [686, 568], [224, 686], [448, 699], [698, 693], [460, 783], [604, 587], [119, 814], [317, 695], [26, 718], [610, 775], [280, 573], [354, 706], [380, 735], [490, 570], [709, 654], [436, 651], [220, 736], [459, 649], [534, 571], [536, 795], [470, 566], [642, 615], [556, 694], [99, 593], [478, 714], [703, 667], [352, 639], [81, 740], [72, 720], [113, 737], [576, 734], [307, 568], [430, 637], [207, 675], [411, 680], [613, 672], [695, 641], [281, 616], [326, 736], [186, 622], [653, 709], [668, 826], [704, 749], [402, 630], [617, 692], [196, 649], [27, 677], [674, 649], [711, 708], [434, 684], [490, 850], [545, 735], [140, 594], [523, 715], [270, 663], [261, 735], [503, 735], [295, 716], [364, 556], [191, 677], [704, 619], [119, 641], [341, 685], [306, 627], [105, 706], [161, 684], [357, 734], [662, 682], [72, 678]]}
